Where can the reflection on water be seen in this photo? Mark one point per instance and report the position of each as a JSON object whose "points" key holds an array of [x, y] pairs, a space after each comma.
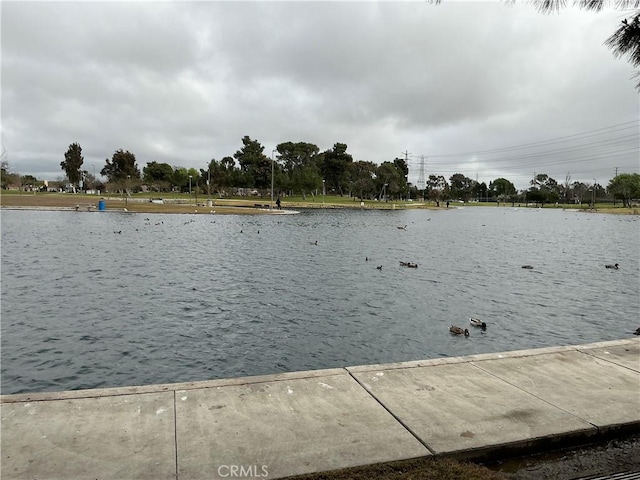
{"points": [[111, 299]]}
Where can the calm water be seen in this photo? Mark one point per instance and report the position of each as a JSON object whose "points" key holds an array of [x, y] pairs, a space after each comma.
{"points": [[183, 297]]}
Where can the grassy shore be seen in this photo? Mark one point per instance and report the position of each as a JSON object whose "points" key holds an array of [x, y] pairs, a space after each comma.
{"points": [[184, 203]]}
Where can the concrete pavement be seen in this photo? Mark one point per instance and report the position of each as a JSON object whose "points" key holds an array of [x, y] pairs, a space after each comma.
{"points": [[480, 406]]}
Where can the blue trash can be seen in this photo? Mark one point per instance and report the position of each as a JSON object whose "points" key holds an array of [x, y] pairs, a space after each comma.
{"points": [[102, 205]]}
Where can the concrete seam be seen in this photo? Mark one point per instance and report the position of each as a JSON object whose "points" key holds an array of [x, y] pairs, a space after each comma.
{"points": [[607, 360], [406, 427], [175, 431], [535, 396]]}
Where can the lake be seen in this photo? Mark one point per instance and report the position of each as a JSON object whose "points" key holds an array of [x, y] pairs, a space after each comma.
{"points": [[107, 299]]}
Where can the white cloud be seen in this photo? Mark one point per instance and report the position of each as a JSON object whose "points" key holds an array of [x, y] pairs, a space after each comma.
{"points": [[183, 82]]}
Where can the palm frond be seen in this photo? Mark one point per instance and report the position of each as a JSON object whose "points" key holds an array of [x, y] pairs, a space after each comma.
{"points": [[554, 6], [549, 6], [626, 40]]}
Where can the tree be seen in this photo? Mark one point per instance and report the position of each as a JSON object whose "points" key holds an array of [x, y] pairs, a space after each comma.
{"points": [[362, 176], [390, 179], [624, 41], [625, 186], [403, 169], [579, 190], [502, 189], [72, 163], [334, 167], [159, 176], [181, 178], [544, 189], [254, 165], [438, 187], [461, 186], [299, 163], [121, 167], [8, 178]]}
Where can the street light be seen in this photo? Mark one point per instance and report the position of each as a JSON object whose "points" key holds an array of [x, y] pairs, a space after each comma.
{"points": [[323, 191], [126, 199], [272, 163], [209, 188], [189, 185], [384, 194]]}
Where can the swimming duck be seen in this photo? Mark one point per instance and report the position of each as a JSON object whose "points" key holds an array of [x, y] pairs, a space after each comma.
{"points": [[379, 267], [614, 266], [528, 267], [409, 264], [402, 228], [637, 332], [477, 323], [458, 331]]}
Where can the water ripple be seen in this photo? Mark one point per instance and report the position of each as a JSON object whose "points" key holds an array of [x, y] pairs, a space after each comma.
{"points": [[181, 298]]}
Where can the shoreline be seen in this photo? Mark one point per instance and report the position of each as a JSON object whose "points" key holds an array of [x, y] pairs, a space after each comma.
{"points": [[253, 206]]}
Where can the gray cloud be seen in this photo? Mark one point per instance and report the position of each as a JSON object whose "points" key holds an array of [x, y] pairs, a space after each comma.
{"points": [[183, 82]]}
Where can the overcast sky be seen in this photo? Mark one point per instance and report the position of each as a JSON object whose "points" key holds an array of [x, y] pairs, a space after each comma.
{"points": [[453, 84]]}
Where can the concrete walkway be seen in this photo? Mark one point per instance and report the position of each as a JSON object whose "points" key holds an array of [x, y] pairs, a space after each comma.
{"points": [[481, 406]]}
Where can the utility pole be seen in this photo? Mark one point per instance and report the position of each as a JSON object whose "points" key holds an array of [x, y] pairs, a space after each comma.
{"points": [[406, 161], [272, 162]]}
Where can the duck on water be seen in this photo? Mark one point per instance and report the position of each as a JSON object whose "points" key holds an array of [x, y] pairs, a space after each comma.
{"points": [[476, 322], [458, 330]]}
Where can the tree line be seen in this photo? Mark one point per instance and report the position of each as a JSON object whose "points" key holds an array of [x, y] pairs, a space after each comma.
{"points": [[300, 168]]}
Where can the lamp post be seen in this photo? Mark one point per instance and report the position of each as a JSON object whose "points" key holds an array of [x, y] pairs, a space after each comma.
{"points": [[189, 187], [593, 203], [126, 198], [209, 187], [384, 194], [272, 163], [323, 191]]}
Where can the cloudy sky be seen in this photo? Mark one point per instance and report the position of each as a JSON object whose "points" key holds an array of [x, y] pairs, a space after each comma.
{"points": [[485, 89]]}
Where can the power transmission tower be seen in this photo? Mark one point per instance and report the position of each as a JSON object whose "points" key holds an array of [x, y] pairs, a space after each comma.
{"points": [[422, 184]]}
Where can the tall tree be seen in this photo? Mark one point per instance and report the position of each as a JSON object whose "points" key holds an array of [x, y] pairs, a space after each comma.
{"points": [[625, 186], [438, 187], [544, 189], [158, 175], [299, 164], [362, 176], [334, 167], [403, 169], [461, 186], [8, 178], [394, 176], [121, 167], [254, 164], [502, 188], [72, 163]]}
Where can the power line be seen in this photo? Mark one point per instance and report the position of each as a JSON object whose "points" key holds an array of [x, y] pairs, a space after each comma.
{"points": [[590, 133]]}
